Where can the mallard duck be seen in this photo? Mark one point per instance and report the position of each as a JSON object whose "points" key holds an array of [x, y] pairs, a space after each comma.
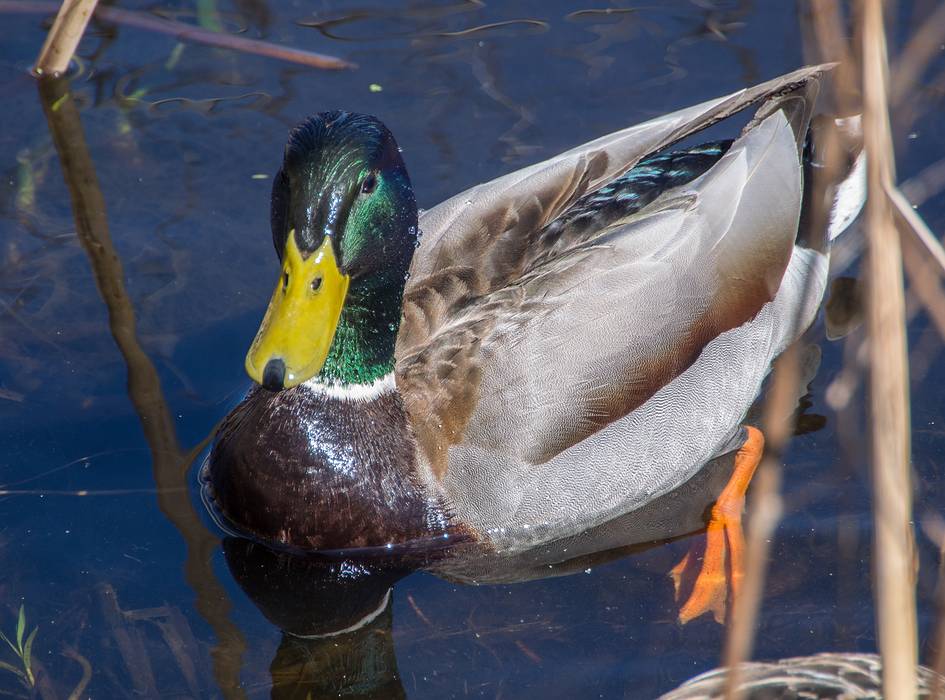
{"points": [[849, 676], [531, 358]]}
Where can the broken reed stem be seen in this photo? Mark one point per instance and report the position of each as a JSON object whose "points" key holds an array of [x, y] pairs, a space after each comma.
{"points": [[923, 259], [889, 385], [832, 45], [64, 36], [915, 226], [187, 32]]}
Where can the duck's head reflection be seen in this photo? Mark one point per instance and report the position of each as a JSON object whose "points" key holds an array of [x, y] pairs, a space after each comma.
{"points": [[335, 615], [311, 597]]}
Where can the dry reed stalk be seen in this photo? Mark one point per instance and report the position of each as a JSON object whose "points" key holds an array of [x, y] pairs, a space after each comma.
{"points": [[831, 45], [766, 507], [169, 463], [906, 198], [889, 378], [930, 181], [915, 226], [187, 32], [766, 502], [934, 527], [923, 259], [64, 37]]}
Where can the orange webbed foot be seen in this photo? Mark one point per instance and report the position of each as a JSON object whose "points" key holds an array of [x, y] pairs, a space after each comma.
{"points": [[711, 586]]}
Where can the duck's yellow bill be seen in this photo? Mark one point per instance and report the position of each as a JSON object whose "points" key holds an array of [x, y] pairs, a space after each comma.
{"points": [[300, 323]]}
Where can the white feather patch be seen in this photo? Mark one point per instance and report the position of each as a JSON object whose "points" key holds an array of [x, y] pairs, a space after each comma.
{"points": [[353, 392], [849, 199]]}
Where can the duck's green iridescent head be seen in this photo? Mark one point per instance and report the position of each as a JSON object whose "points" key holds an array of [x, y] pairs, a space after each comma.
{"points": [[344, 224]]}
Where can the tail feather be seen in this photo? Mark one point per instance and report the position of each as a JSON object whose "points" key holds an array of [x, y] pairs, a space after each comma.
{"points": [[798, 107], [848, 199], [842, 197]]}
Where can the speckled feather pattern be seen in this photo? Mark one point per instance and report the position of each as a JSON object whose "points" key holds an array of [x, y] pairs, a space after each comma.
{"points": [[578, 339], [827, 676], [608, 353]]}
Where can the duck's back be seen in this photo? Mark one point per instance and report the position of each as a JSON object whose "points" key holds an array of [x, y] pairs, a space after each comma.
{"points": [[624, 345]]}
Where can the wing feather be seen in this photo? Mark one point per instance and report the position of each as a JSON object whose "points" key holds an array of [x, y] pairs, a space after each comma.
{"points": [[505, 350]]}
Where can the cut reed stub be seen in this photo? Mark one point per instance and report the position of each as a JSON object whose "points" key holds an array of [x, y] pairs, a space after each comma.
{"points": [[64, 37]]}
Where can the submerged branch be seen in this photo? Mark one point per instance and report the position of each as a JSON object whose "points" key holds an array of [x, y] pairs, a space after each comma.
{"points": [[80, 687]]}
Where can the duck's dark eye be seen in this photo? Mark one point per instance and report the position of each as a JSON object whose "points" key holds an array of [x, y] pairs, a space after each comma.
{"points": [[370, 182], [316, 284], [285, 281]]}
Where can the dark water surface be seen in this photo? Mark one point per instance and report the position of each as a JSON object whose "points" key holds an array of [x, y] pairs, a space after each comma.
{"points": [[103, 537]]}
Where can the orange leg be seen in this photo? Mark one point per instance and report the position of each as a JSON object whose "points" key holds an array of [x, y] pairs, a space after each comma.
{"points": [[724, 543]]}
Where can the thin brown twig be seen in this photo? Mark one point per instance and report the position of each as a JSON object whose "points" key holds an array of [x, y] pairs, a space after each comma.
{"points": [[187, 32], [889, 379], [416, 609], [64, 36]]}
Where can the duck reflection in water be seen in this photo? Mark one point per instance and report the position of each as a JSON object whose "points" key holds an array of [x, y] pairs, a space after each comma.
{"points": [[541, 379], [336, 617], [335, 610]]}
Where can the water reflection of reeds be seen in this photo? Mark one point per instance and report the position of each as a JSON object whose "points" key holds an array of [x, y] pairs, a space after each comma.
{"points": [[169, 462]]}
